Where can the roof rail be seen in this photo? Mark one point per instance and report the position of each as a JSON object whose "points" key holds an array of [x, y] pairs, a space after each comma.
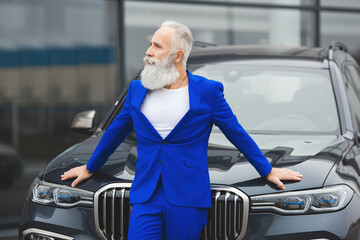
{"points": [[204, 44], [336, 45]]}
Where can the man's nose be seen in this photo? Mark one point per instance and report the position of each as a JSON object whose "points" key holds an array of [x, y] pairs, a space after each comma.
{"points": [[149, 52]]}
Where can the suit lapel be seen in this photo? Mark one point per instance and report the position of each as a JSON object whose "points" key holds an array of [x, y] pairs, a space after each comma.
{"points": [[194, 100], [139, 98]]}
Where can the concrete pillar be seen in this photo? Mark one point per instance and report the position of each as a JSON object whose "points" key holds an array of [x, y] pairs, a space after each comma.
{"points": [[285, 26]]}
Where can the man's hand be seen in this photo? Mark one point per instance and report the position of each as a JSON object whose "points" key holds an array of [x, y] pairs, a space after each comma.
{"points": [[81, 173], [278, 174]]}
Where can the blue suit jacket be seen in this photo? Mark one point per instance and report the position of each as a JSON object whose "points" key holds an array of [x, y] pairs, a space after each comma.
{"points": [[183, 153]]}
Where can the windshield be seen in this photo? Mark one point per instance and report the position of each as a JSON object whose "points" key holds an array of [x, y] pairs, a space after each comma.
{"points": [[276, 99]]}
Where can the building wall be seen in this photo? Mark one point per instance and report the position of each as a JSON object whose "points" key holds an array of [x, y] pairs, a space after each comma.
{"points": [[57, 58]]}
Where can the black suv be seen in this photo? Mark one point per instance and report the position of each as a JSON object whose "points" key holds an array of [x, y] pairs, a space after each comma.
{"points": [[302, 107]]}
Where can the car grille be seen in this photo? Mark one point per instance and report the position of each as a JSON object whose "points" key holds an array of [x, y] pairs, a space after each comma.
{"points": [[227, 219]]}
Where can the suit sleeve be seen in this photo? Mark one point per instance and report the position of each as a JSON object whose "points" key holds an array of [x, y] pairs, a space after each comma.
{"points": [[114, 135], [224, 118]]}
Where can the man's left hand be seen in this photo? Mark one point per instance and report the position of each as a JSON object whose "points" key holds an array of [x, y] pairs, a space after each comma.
{"points": [[278, 174]]}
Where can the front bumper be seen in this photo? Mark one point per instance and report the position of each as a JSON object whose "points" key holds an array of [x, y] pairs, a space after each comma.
{"points": [[78, 223]]}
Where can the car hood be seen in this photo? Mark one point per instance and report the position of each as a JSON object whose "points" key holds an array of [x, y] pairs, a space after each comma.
{"points": [[311, 155]]}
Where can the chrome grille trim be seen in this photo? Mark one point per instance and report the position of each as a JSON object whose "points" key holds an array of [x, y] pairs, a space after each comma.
{"points": [[228, 219], [113, 187], [37, 231], [122, 215], [217, 195], [235, 205], [238, 218], [113, 215], [104, 212]]}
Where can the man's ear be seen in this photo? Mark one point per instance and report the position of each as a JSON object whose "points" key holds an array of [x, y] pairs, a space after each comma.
{"points": [[179, 56]]}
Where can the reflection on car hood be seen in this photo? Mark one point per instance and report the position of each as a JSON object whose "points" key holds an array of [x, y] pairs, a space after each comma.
{"points": [[313, 156]]}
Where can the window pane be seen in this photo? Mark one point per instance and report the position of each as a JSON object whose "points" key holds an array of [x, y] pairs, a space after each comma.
{"points": [[215, 24], [342, 4], [342, 27], [277, 99], [273, 2]]}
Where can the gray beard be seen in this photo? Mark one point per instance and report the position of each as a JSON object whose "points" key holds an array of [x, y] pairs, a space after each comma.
{"points": [[158, 74]]}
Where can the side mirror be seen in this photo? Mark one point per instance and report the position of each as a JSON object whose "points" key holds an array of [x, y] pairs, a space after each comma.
{"points": [[84, 122]]}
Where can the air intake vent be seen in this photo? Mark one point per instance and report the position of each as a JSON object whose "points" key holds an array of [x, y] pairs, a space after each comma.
{"points": [[227, 218]]}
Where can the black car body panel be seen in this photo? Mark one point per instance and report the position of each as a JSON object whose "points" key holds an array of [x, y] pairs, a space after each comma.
{"points": [[326, 160]]}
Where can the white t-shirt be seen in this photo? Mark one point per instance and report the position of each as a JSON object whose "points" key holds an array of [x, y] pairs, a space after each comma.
{"points": [[164, 108]]}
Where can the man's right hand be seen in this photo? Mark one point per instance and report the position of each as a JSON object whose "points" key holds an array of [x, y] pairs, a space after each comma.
{"points": [[81, 173]]}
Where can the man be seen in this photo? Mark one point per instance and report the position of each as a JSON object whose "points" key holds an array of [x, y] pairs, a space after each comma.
{"points": [[172, 112]]}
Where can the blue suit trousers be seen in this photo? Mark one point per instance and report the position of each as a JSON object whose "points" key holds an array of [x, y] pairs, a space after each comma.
{"points": [[158, 219]]}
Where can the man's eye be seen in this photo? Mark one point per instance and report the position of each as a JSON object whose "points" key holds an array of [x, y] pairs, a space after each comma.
{"points": [[155, 45]]}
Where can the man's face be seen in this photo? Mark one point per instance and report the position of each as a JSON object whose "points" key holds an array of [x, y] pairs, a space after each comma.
{"points": [[160, 44], [159, 70]]}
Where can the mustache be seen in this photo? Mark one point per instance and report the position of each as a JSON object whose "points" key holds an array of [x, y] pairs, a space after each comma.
{"points": [[150, 60]]}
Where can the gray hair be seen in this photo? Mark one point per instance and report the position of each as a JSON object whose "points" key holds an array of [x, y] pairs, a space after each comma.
{"points": [[183, 39]]}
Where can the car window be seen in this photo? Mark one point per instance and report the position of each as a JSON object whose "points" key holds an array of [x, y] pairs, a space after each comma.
{"points": [[351, 77], [277, 99]]}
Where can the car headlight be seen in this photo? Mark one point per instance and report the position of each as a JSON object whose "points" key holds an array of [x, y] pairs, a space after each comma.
{"points": [[59, 195], [326, 199]]}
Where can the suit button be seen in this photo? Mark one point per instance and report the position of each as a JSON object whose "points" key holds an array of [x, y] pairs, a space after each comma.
{"points": [[163, 142], [159, 162]]}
